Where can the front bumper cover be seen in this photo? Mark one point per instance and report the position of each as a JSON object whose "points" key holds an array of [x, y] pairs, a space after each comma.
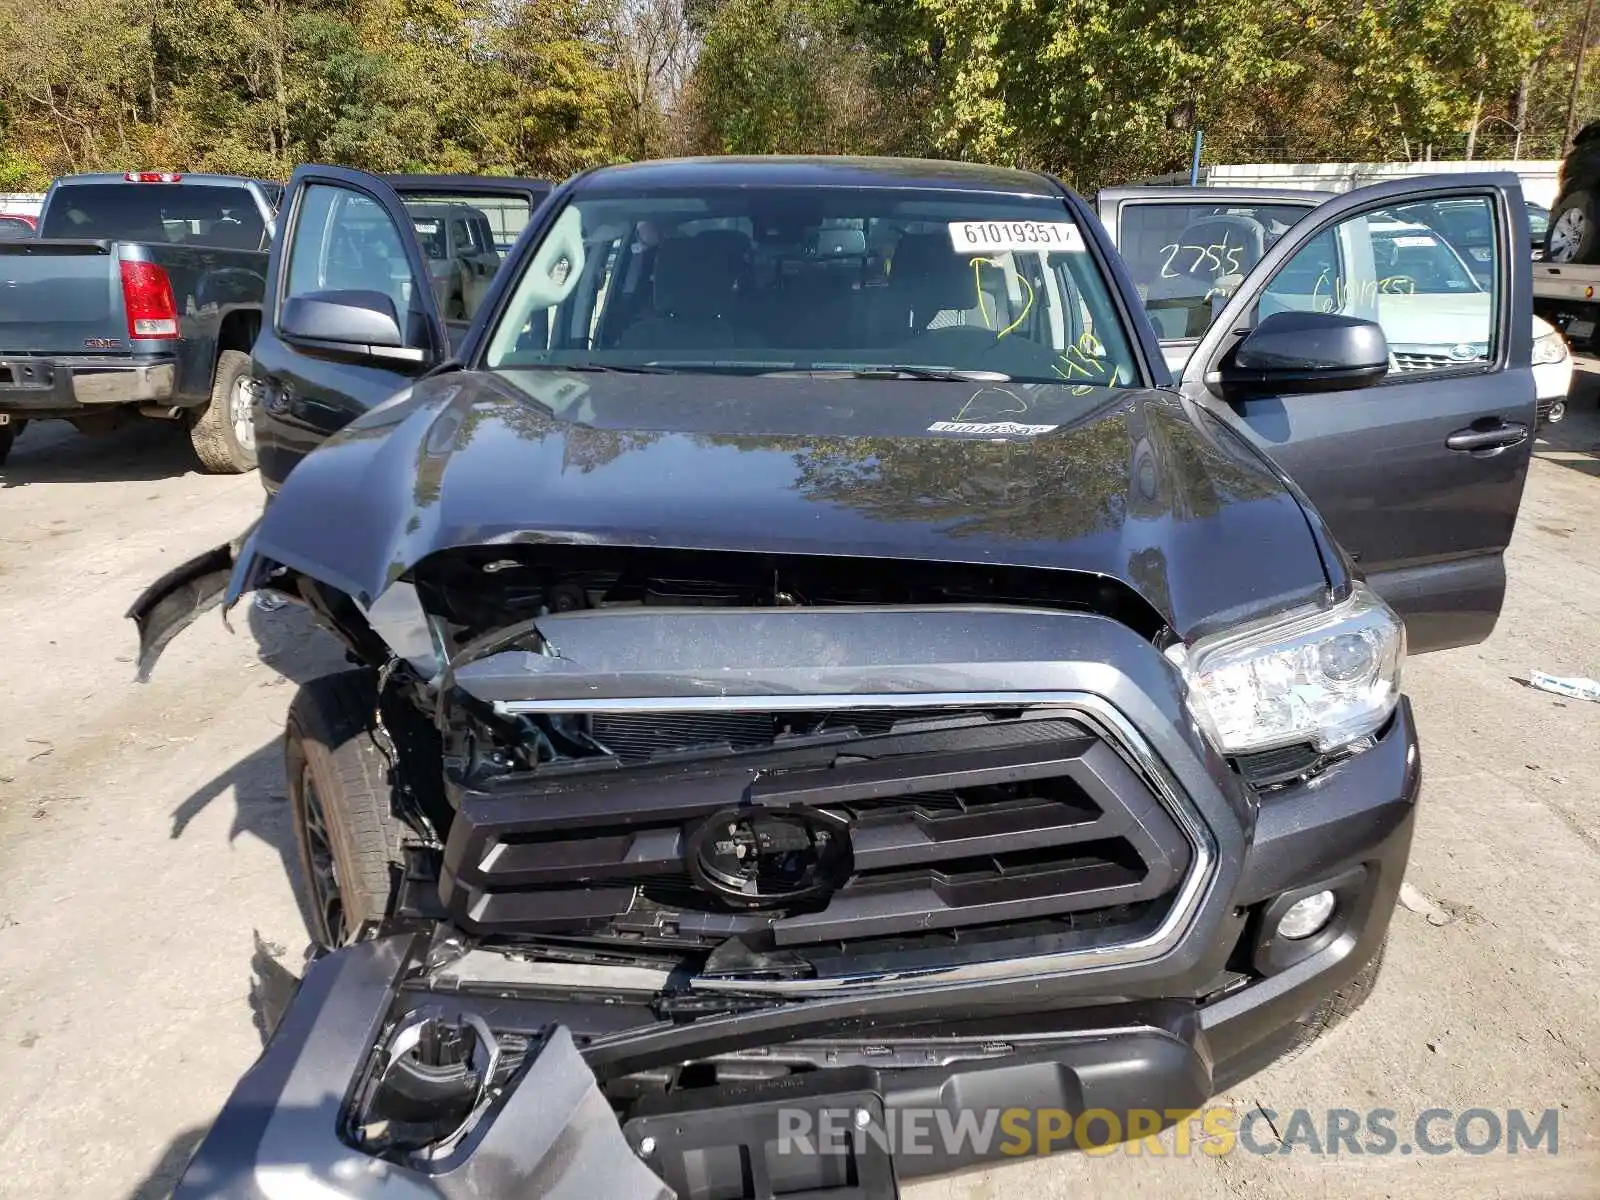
{"points": [[1157, 1037], [554, 1136]]}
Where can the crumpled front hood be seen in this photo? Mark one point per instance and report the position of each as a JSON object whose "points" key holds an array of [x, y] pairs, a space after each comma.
{"points": [[1122, 483]]}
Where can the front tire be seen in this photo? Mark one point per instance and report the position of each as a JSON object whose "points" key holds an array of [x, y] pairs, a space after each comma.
{"points": [[341, 800], [8, 438], [1574, 233], [223, 432]]}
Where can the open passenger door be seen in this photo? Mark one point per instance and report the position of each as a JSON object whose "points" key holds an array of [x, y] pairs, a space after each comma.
{"points": [[1365, 358]]}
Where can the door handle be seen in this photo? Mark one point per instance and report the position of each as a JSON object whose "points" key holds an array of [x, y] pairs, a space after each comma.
{"points": [[1496, 437], [276, 398]]}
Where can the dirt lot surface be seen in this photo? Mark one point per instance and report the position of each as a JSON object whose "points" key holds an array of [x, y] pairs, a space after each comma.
{"points": [[149, 933]]}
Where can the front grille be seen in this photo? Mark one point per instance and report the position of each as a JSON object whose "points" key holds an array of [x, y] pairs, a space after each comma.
{"points": [[1422, 362], [931, 828]]}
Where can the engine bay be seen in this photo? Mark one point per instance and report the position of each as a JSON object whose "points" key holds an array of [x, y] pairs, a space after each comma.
{"points": [[486, 600]]}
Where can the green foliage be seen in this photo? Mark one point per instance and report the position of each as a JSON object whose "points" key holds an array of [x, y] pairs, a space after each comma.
{"points": [[256, 86], [1098, 90], [1091, 88], [784, 77]]}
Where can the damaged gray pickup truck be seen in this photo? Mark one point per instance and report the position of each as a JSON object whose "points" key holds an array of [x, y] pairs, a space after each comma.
{"points": [[813, 665]]}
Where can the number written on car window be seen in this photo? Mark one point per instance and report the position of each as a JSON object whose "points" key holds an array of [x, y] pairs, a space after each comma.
{"points": [[988, 237]]}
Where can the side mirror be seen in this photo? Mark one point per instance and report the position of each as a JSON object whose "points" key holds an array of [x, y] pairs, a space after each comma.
{"points": [[1297, 352], [347, 324]]}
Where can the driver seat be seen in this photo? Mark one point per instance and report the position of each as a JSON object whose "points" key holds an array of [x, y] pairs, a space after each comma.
{"points": [[696, 288], [931, 286]]}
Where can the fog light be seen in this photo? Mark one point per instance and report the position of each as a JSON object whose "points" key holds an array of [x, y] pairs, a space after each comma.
{"points": [[1305, 917]]}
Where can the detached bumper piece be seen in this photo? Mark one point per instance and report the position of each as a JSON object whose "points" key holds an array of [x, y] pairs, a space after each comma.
{"points": [[550, 1135], [931, 1104]]}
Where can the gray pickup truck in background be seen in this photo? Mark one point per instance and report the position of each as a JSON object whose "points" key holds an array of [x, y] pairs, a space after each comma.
{"points": [[140, 297]]}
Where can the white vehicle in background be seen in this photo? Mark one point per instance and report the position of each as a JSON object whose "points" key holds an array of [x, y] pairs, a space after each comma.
{"points": [[1552, 370], [1156, 229], [1430, 295]]}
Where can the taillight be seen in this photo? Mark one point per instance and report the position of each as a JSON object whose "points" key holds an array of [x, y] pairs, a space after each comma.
{"points": [[147, 295], [153, 177]]}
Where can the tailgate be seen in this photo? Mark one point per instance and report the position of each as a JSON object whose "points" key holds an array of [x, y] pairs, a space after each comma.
{"points": [[59, 297]]}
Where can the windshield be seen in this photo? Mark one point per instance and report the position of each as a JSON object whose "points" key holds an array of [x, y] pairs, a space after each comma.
{"points": [[772, 279], [1184, 255], [1413, 259], [211, 215]]}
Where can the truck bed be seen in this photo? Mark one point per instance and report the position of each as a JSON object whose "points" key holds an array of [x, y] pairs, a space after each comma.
{"points": [[64, 315]]}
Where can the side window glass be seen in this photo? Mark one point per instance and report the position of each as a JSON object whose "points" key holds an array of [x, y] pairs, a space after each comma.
{"points": [[1427, 273], [461, 240], [344, 241], [1187, 257], [1309, 282]]}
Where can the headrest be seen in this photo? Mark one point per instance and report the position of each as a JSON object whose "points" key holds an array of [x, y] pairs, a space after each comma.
{"points": [[698, 276], [1233, 230], [927, 270], [835, 243], [730, 242]]}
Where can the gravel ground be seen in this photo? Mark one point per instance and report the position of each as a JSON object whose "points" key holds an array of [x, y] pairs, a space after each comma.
{"points": [[149, 933]]}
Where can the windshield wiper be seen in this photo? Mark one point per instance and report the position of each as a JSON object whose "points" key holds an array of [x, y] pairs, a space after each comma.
{"points": [[641, 369], [919, 372], [674, 367]]}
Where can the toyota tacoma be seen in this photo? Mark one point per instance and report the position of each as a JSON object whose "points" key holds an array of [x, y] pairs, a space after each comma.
{"points": [[810, 655]]}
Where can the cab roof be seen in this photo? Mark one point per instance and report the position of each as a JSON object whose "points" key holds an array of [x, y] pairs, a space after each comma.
{"points": [[819, 172]]}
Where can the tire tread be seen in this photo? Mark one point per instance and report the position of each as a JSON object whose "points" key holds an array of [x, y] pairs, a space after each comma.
{"points": [[332, 719], [211, 433]]}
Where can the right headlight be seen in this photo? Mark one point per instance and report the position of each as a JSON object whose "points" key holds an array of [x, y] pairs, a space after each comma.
{"points": [[1323, 678], [1551, 348]]}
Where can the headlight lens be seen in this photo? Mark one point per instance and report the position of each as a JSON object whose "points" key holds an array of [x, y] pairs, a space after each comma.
{"points": [[1324, 678], [1551, 348]]}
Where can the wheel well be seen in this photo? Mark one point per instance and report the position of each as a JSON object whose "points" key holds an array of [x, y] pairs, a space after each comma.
{"points": [[239, 330]]}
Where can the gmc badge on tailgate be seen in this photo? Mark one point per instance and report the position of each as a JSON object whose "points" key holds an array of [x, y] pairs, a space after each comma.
{"points": [[102, 343]]}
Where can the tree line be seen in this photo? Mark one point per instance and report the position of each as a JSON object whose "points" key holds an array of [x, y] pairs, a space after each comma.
{"points": [[1099, 91]]}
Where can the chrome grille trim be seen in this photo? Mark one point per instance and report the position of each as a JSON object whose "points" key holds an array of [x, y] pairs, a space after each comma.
{"points": [[1102, 718]]}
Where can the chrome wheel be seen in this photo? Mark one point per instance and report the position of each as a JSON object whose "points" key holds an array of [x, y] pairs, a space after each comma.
{"points": [[242, 412], [1557, 411], [322, 873], [1567, 234]]}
